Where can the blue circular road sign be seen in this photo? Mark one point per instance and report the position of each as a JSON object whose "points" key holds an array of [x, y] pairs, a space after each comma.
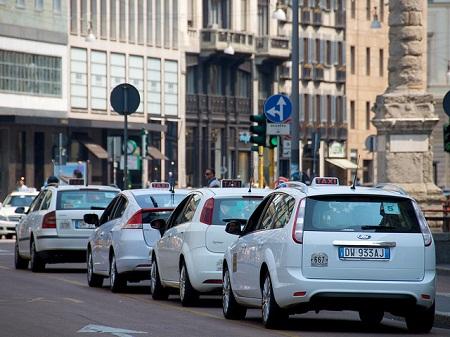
{"points": [[277, 108]]}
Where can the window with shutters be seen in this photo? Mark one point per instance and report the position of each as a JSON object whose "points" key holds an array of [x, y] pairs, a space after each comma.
{"points": [[353, 8], [368, 10], [367, 115], [352, 60], [352, 115], [381, 63], [368, 61]]}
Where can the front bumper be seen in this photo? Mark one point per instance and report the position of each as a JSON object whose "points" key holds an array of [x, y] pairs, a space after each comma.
{"points": [[7, 227]]}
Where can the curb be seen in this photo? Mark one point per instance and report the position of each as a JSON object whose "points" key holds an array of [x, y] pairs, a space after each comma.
{"points": [[442, 320], [443, 270]]}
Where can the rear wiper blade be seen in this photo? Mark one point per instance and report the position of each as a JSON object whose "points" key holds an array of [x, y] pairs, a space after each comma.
{"points": [[376, 227]]}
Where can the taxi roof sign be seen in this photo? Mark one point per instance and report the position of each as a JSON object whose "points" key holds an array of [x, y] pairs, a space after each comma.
{"points": [[160, 184], [325, 181], [231, 183]]}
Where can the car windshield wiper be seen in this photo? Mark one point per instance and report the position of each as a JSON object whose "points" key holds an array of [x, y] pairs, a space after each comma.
{"points": [[378, 228]]}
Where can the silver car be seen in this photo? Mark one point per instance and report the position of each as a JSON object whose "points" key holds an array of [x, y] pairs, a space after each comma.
{"points": [[119, 247]]}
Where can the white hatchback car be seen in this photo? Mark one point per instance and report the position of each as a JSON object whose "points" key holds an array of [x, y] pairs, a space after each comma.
{"points": [[119, 247], [190, 252], [333, 248], [53, 230], [8, 216]]}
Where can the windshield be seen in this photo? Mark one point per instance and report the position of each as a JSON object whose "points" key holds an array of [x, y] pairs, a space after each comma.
{"points": [[84, 199], [360, 213], [19, 200], [227, 209], [149, 216], [159, 200]]}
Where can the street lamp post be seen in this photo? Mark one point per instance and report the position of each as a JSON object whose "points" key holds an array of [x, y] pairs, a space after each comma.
{"points": [[295, 124]]}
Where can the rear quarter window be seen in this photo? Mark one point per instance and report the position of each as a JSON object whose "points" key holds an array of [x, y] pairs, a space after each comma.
{"points": [[226, 209], [360, 213]]}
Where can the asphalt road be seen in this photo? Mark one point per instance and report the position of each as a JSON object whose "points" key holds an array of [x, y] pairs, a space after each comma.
{"points": [[59, 303]]}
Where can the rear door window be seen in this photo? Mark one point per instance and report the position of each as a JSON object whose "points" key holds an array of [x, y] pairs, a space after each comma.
{"points": [[360, 213], [227, 209]]}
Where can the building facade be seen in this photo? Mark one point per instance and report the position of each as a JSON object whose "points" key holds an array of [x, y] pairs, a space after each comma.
{"points": [[367, 77], [438, 80]]}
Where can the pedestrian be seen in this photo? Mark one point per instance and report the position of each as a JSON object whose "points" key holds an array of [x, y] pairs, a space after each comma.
{"points": [[212, 181], [21, 187]]}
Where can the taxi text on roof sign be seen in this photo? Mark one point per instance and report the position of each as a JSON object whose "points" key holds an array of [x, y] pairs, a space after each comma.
{"points": [[231, 183], [160, 184], [325, 181]]}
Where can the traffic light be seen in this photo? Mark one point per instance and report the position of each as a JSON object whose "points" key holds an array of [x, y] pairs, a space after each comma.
{"points": [[258, 131], [273, 141], [447, 137]]}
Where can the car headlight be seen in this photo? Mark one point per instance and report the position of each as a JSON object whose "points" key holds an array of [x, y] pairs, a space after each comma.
{"points": [[3, 218]]}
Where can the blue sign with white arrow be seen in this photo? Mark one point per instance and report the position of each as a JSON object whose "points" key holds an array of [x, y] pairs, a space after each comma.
{"points": [[277, 108]]}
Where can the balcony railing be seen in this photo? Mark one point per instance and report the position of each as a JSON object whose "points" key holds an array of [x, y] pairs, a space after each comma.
{"points": [[215, 104], [306, 16], [269, 46], [218, 39]]}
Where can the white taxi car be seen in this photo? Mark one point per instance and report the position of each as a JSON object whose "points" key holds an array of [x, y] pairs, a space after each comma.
{"points": [[8, 216], [120, 245], [53, 230], [189, 254], [323, 247]]}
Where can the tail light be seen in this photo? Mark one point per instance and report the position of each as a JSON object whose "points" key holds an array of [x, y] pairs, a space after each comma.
{"points": [[207, 212], [135, 222], [426, 232], [49, 220], [297, 229]]}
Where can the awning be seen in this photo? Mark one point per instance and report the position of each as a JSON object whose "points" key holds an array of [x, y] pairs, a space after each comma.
{"points": [[155, 153], [342, 163], [96, 149]]}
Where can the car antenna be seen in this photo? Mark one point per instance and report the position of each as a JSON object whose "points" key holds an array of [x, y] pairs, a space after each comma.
{"points": [[250, 184], [356, 174]]}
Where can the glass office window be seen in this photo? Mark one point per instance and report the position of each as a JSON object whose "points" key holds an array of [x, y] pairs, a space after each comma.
{"points": [[171, 88], [154, 86], [136, 77], [78, 78], [117, 70], [98, 80]]}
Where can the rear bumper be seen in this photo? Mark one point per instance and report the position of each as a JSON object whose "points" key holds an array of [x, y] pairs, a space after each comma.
{"points": [[7, 227], [55, 242], [205, 270], [321, 294], [63, 256]]}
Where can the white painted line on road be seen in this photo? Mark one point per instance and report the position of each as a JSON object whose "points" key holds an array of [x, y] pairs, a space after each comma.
{"points": [[443, 294], [67, 280], [40, 299], [4, 250], [3, 267], [74, 300], [107, 329], [7, 254]]}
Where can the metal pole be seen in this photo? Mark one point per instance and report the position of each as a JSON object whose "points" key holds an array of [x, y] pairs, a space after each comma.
{"points": [[125, 139], [271, 167], [60, 141], [295, 126], [261, 166], [144, 159]]}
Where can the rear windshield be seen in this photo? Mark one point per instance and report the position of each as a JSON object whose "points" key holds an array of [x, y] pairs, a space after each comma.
{"points": [[159, 200], [360, 213], [19, 200], [84, 199], [148, 216], [228, 209]]}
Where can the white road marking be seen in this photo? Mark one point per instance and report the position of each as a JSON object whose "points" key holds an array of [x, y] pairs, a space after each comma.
{"points": [[40, 299], [106, 329], [74, 300]]}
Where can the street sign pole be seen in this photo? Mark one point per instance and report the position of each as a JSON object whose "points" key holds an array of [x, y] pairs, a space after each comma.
{"points": [[125, 138]]}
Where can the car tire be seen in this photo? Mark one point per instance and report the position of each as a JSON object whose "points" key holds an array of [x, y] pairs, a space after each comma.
{"points": [[188, 295], [117, 282], [371, 318], [272, 315], [420, 320], [37, 264], [157, 289], [231, 308], [94, 280], [19, 261]]}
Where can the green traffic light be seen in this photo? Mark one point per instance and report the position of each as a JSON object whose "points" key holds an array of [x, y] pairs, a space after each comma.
{"points": [[273, 141], [447, 137]]}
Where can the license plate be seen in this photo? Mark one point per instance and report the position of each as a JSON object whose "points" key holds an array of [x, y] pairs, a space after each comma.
{"points": [[364, 253], [80, 224]]}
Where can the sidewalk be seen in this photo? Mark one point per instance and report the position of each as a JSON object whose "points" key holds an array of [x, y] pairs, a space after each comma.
{"points": [[442, 317]]}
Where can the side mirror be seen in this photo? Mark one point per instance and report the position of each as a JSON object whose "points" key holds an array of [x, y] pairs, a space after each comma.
{"points": [[91, 219], [159, 224], [20, 210], [233, 227]]}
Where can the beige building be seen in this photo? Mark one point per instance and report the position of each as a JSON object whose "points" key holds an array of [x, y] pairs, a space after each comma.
{"points": [[367, 77]]}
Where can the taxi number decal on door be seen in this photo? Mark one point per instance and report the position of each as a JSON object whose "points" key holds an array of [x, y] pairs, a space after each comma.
{"points": [[234, 262]]}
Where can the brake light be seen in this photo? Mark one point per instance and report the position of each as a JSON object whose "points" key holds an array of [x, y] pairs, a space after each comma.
{"points": [[135, 222], [49, 220], [426, 232], [297, 229], [207, 212]]}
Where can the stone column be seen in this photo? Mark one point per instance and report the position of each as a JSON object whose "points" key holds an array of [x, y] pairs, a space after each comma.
{"points": [[404, 113]]}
